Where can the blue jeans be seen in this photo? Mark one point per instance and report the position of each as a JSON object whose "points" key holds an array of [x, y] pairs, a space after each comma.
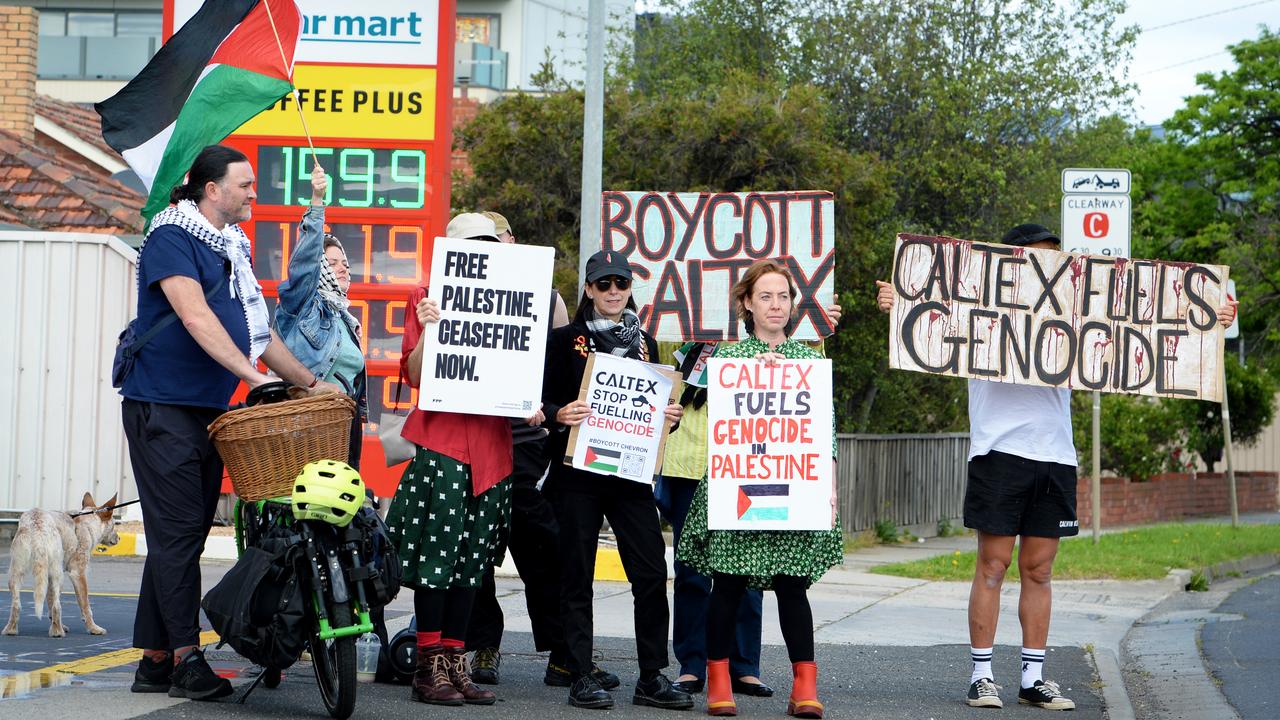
{"points": [[693, 598]]}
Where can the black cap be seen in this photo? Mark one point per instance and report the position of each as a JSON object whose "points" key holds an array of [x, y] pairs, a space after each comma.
{"points": [[1028, 233], [606, 263]]}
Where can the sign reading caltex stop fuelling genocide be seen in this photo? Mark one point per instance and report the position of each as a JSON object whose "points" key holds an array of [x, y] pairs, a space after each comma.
{"points": [[1049, 318]]}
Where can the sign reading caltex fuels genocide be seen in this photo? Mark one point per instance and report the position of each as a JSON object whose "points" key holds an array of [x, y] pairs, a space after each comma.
{"points": [[687, 251], [1049, 318], [769, 428]]}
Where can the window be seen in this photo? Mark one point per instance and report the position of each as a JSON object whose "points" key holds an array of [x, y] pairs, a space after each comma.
{"points": [[481, 29], [53, 22], [134, 24], [91, 24]]}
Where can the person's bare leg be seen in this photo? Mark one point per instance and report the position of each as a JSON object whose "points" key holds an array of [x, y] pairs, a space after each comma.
{"points": [[995, 552], [1035, 602]]}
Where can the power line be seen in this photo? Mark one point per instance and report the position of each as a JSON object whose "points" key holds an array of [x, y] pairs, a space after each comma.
{"points": [[1202, 57], [1201, 17]]}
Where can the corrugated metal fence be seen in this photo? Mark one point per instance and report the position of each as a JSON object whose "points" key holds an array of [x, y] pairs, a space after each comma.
{"points": [[909, 479]]}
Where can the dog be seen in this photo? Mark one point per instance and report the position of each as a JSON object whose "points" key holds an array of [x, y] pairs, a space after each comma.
{"points": [[48, 544]]}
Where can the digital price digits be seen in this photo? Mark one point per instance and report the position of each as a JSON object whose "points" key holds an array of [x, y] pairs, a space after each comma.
{"points": [[358, 177], [379, 254]]}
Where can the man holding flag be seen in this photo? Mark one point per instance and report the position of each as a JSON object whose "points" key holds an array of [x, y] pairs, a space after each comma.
{"points": [[230, 61]]}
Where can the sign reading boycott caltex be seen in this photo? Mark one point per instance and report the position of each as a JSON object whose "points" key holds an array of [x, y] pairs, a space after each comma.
{"points": [[770, 436], [1049, 318], [485, 356], [627, 429], [687, 251]]}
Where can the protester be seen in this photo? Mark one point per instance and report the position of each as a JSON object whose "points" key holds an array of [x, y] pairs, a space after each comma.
{"points": [[450, 512], [314, 317], [605, 322], [683, 466], [1021, 490], [534, 545], [787, 562], [194, 263]]}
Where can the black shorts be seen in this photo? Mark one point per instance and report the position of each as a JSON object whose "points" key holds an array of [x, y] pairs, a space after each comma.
{"points": [[1011, 495]]}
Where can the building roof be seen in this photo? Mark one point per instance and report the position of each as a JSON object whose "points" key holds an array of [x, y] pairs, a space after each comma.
{"points": [[82, 120], [47, 189]]}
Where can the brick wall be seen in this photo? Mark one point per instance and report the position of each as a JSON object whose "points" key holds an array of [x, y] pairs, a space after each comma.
{"points": [[464, 111], [1174, 496], [18, 35]]}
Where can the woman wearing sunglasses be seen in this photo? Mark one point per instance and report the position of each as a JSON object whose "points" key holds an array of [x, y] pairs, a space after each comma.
{"points": [[606, 322]]}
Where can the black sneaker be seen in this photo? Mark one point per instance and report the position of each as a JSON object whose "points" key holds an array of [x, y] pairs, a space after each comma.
{"points": [[1045, 694], [195, 680], [484, 666], [659, 693], [984, 693], [559, 676], [152, 676], [587, 693]]}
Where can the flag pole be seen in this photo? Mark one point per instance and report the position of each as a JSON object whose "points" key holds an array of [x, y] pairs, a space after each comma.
{"points": [[285, 64]]}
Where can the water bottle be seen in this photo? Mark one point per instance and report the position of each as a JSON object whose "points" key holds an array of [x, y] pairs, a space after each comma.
{"points": [[367, 649]]}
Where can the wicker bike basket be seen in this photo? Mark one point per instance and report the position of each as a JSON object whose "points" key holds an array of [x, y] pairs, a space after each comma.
{"points": [[264, 447]]}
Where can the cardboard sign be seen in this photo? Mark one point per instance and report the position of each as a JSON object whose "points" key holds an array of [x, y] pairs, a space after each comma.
{"points": [[687, 250], [769, 434], [485, 356], [1049, 318], [627, 430]]}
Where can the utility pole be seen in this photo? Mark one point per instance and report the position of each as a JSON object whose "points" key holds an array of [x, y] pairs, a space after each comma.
{"points": [[592, 139]]}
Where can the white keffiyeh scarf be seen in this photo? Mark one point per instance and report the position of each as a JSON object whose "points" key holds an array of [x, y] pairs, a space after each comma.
{"points": [[232, 245], [331, 292]]}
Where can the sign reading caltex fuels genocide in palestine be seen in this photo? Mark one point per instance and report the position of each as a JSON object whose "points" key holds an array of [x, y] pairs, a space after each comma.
{"points": [[1049, 318]]}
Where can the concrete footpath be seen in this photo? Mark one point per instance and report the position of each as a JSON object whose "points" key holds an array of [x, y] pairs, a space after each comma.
{"points": [[888, 647]]}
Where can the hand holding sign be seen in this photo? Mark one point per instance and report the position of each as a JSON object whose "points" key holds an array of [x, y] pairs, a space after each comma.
{"points": [[617, 427]]}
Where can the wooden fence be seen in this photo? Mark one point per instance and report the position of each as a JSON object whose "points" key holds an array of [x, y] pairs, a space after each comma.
{"points": [[913, 480]]}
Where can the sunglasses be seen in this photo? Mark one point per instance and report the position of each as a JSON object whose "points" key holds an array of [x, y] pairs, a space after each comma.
{"points": [[603, 284]]}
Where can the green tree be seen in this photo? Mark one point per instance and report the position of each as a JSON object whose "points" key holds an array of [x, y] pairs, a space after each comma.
{"points": [[1251, 399]]}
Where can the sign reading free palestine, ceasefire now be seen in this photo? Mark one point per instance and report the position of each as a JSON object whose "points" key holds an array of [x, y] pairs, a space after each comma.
{"points": [[1049, 318]]}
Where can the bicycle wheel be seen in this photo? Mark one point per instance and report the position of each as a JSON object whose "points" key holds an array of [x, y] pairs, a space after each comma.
{"points": [[335, 664]]}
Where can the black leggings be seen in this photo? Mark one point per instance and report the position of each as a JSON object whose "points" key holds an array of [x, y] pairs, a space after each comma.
{"points": [[444, 610], [794, 614]]}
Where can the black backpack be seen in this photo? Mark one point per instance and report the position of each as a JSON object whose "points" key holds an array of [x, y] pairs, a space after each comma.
{"points": [[381, 573], [258, 607]]}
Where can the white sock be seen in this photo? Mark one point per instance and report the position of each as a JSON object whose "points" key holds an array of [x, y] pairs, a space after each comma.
{"points": [[981, 664], [1032, 666]]}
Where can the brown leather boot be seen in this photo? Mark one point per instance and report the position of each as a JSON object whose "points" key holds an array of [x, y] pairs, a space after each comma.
{"points": [[460, 676], [431, 682], [804, 691], [720, 689]]}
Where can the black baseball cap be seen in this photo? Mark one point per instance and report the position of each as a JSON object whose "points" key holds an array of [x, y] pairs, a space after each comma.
{"points": [[1028, 233], [606, 263]]}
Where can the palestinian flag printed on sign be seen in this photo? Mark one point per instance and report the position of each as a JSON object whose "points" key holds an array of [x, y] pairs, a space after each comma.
{"points": [[763, 502], [222, 68], [602, 459]]}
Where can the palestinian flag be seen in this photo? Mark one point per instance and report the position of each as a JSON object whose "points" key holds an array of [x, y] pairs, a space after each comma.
{"points": [[598, 458], [221, 69], [763, 502]]}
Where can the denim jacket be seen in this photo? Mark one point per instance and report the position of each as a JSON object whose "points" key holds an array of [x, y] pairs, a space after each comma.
{"points": [[310, 328]]}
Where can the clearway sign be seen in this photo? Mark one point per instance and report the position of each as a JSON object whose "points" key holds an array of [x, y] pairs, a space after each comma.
{"points": [[1096, 211]]}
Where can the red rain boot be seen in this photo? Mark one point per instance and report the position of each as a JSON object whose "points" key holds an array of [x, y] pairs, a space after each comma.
{"points": [[804, 691], [719, 690]]}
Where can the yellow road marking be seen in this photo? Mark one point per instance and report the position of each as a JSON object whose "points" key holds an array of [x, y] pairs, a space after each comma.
{"points": [[54, 675]]}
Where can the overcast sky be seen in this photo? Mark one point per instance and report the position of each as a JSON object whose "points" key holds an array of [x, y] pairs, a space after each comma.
{"points": [[1161, 88]]}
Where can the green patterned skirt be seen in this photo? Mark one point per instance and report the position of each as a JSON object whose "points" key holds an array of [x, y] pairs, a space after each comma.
{"points": [[757, 554], [446, 537]]}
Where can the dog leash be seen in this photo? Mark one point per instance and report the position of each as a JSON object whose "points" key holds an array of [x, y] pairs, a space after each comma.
{"points": [[105, 507]]}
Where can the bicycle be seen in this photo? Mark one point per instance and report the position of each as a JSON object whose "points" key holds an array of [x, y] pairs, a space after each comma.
{"points": [[331, 556]]}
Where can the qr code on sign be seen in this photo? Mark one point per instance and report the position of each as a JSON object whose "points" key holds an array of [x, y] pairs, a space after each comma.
{"points": [[527, 406], [632, 465]]}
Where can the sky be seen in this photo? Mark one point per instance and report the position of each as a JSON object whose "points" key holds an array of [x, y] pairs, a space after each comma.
{"points": [[1162, 87]]}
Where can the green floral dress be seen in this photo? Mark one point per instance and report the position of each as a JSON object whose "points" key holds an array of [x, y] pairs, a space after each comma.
{"points": [[758, 554], [446, 536]]}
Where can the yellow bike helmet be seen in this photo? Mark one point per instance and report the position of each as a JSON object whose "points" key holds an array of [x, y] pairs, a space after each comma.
{"points": [[327, 490]]}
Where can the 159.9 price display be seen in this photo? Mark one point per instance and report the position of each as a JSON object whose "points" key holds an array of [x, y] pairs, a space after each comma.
{"points": [[358, 177]]}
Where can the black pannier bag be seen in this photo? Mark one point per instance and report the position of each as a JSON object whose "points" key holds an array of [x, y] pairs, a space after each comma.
{"points": [[258, 608], [381, 573]]}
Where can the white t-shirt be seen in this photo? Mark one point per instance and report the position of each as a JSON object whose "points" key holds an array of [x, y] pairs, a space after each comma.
{"points": [[1024, 420]]}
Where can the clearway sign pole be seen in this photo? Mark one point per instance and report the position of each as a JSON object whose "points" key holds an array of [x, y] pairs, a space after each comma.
{"points": [[1096, 215]]}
